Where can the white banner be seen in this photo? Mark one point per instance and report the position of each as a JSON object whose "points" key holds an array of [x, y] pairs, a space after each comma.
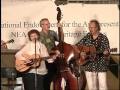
{"points": [[20, 17]]}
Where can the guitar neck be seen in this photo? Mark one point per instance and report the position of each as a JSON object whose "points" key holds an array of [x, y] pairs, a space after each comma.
{"points": [[111, 50], [10, 41], [45, 58]]}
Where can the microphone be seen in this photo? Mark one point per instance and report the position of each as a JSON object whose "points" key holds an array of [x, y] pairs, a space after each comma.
{"points": [[35, 39]]}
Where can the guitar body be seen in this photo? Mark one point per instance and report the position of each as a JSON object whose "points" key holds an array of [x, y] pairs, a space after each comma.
{"points": [[21, 66], [26, 65], [91, 54]]}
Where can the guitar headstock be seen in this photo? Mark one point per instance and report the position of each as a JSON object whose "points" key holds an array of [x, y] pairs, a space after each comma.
{"points": [[10, 41]]}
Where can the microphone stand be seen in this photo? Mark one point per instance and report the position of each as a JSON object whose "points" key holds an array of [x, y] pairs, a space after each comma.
{"points": [[35, 68]]}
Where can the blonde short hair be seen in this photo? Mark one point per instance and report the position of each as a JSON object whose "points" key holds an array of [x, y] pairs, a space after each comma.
{"points": [[44, 19]]}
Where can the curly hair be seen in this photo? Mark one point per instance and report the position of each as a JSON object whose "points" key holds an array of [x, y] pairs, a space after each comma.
{"points": [[34, 31]]}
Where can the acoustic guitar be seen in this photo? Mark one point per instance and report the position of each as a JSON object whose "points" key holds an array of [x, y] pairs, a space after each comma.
{"points": [[26, 65], [91, 54]]}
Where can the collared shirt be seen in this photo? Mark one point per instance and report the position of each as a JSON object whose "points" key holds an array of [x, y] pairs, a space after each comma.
{"points": [[49, 39], [29, 49]]}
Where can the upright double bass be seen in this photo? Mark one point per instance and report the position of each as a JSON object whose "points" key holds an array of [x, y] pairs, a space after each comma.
{"points": [[64, 72]]}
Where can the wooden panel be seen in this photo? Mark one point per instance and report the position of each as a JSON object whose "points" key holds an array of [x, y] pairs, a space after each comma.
{"points": [[8, 58]]}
